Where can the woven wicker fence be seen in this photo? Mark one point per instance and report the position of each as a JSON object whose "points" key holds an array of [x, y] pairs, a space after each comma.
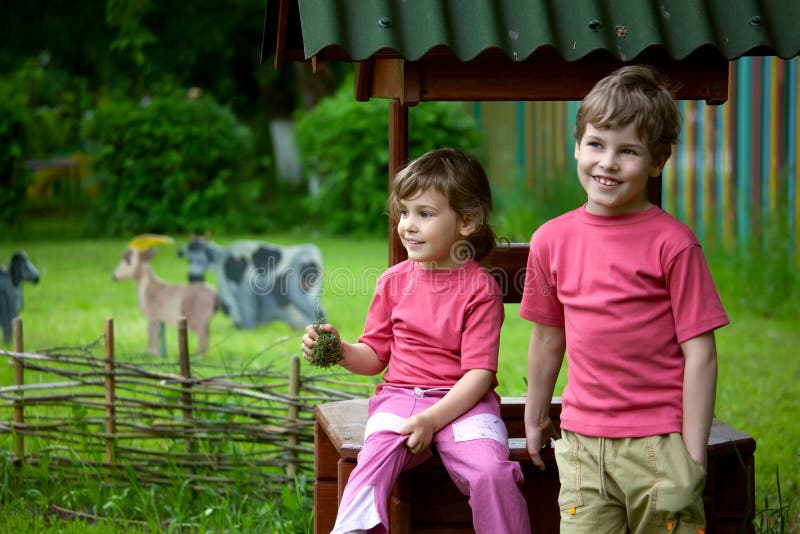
{"points": [[93, 416]]}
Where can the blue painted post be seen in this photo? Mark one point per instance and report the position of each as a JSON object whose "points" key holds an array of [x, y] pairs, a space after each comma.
{"points": [[791, 157], [767, 146], [741, 148], [701, 178]]}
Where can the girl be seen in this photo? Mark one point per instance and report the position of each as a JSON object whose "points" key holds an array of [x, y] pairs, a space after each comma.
{"points": [[434, 326]]}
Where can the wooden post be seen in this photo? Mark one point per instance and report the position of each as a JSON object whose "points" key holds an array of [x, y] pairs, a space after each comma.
{"points": [[111, 397], [294, 397], [186, 373], [19, 381], [162, 339], [654, 190], [398, 157]]}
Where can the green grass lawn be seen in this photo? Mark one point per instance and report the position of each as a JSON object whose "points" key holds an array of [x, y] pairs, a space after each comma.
{"points": [[759, 371]]}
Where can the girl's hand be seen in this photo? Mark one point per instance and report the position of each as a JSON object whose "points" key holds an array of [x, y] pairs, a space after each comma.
{"points": [[419, 429], [310, 338]]}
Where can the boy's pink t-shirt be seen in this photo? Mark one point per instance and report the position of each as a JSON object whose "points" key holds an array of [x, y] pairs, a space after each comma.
{"points": [[433, 326], [627, 289]]}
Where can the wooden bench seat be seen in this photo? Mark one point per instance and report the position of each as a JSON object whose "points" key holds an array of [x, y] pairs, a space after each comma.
{"points": [[425, 500]]}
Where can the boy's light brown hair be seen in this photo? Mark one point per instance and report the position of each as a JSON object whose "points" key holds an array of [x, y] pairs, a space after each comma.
{"points": [[458, 176], [634, 95]]}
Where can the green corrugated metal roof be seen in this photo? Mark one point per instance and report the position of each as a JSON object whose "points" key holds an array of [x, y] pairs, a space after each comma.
{"points": [[623, 28]]}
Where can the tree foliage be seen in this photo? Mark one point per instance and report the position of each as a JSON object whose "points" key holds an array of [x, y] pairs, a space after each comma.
{"points": [[130, 46], [345, 144], [12, 183], [172, 164]]}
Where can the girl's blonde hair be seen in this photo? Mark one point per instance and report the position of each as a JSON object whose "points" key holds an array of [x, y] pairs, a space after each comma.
{"points": [[459, 177], [633, 95]]}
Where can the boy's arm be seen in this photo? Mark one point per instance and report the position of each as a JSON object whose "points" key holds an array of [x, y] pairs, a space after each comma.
{"points": [[699, 393], [545, 355], [357, 358], [464, 394]]}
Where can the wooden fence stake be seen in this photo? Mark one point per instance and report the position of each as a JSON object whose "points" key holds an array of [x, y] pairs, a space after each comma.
{"points": [[186, 373], [293, 412], [19, 380], [111, 396]]}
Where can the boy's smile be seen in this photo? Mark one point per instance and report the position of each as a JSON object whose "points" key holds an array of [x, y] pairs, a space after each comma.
{"points": [[613, 167]]}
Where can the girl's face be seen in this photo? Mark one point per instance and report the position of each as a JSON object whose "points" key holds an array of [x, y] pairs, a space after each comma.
{"points": [[613, 168], [429, 228]]}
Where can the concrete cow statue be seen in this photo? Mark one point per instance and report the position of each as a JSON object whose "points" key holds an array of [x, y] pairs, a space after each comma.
{"points": [[258, 283], [19, 270]]}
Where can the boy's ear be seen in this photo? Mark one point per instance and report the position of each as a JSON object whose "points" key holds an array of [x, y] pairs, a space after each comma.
{"points": [[577, 151], [658, 165]]}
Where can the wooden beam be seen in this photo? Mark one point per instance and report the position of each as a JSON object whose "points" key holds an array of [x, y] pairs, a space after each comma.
{"points": [[654, 190], [410, 93], [281, 32], [386, 79], [507, 263], [543, 76], [362, 74]]}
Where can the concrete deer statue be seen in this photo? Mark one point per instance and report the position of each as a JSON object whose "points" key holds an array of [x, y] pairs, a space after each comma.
{"points": [[19, 270], [162, 302]]}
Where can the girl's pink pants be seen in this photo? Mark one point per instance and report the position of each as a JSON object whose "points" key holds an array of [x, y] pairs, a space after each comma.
{"points": [[473, 449]]}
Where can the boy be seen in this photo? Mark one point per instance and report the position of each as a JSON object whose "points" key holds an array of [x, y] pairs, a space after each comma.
{"points": [[625, 289]]}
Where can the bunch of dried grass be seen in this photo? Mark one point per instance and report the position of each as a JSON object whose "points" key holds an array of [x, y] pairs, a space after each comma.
{"points": [[328, 351]]}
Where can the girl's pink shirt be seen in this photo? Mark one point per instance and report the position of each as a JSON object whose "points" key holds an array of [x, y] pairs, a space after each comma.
{"points": [[431, 326], [627, 289]]}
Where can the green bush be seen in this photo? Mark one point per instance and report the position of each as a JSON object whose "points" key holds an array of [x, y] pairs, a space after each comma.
{"points": [[12, 177], [522, 207], [344, 143], [169, 165], [52, 102]]}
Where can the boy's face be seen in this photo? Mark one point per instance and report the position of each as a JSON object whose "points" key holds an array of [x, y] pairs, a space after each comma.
{"points": [[429, 227], [613, 168]]}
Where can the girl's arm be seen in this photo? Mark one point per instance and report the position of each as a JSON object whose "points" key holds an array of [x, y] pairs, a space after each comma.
{"points": [[469, 389], [545, 355], [699, 393], [357, 358]]}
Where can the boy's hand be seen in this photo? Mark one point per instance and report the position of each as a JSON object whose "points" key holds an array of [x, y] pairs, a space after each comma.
{"points": [[536, 437], [311, 336], [420, 430]]}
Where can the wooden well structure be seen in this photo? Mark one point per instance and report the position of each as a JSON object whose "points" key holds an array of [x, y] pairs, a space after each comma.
{"points": [[413, 51]]}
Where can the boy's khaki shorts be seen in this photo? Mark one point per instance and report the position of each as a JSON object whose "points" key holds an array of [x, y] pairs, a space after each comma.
{"points": [[636, 485]]}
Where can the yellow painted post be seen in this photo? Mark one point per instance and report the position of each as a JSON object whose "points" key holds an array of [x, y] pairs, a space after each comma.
{"points": [[530, 136], [773, 150], [690, 171]]}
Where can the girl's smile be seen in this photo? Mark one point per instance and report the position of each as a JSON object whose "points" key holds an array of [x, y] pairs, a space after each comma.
{"points": [[429, 227]]}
